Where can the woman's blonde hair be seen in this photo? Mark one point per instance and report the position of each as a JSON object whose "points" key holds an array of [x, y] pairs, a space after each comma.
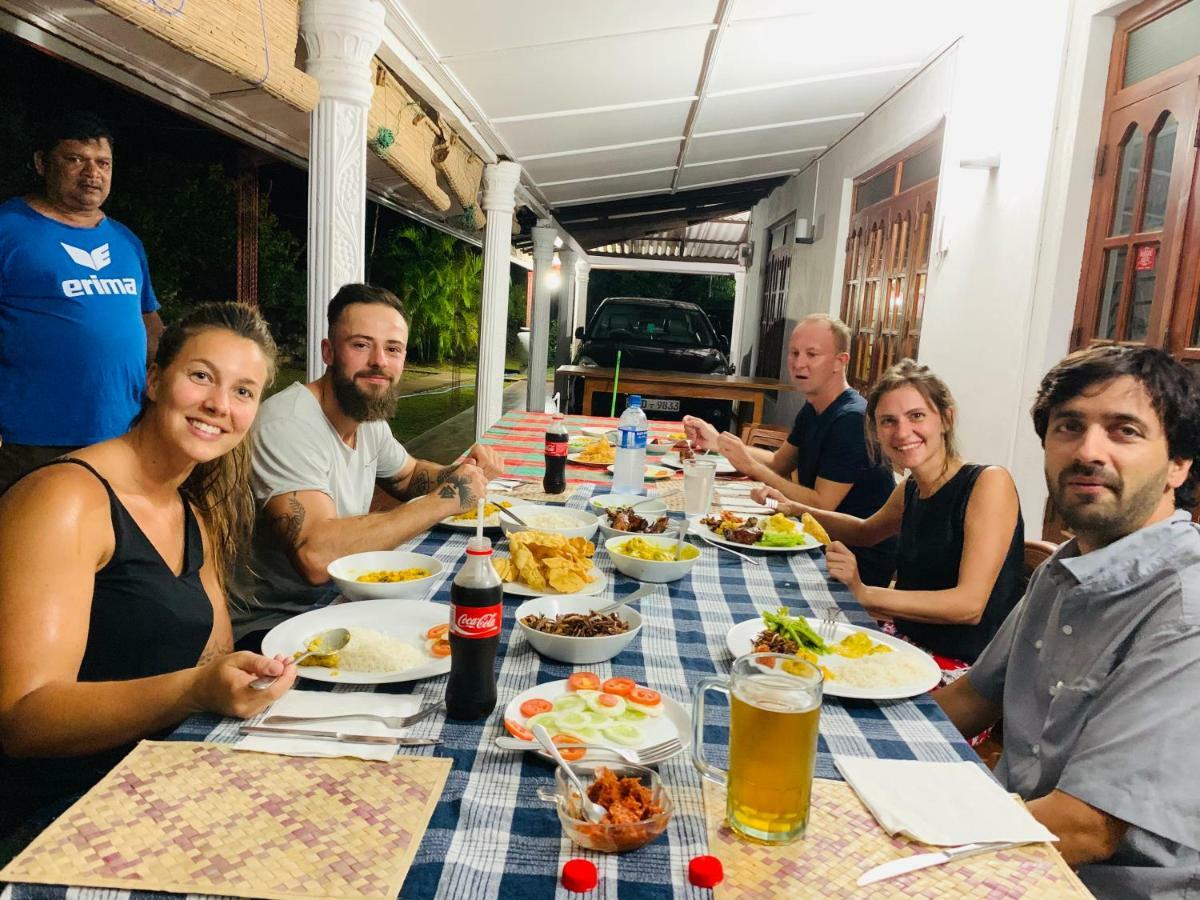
{"points": [[220, 489], [910, 373]]}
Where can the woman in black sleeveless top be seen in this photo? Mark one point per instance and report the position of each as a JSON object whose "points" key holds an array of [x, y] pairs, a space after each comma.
{"points": [[959, 569], [112, 571]]}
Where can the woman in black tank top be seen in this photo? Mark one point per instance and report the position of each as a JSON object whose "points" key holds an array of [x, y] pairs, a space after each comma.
{"points": [[112, 566], [959, 569]]}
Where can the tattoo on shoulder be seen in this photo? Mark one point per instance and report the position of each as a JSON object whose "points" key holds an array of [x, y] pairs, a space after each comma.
{"points": [[287, 524], [460, 487]]}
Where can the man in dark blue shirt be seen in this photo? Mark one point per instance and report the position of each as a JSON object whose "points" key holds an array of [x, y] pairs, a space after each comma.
{"points": [[827, 447]]}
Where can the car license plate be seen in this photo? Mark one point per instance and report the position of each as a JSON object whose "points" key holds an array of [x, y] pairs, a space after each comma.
{"points": [[660, 405]]}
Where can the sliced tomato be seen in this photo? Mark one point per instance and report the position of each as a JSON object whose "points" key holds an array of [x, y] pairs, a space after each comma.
{"points": [[619, 686], [608, 699], [437, 631], [440, 648], [564, 744], [535, 706], [645, 696], [520, 733], [583, 681]]}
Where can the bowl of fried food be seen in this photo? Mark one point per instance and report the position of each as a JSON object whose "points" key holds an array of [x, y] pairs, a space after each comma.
{"points": [[385, 574], [651, 557], [568, 629], [553, 519], [637, 806], [540, 562], [647, 517]]}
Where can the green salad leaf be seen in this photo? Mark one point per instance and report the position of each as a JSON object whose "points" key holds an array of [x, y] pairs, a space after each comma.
{"points": [[795, 629], [782, 539]]}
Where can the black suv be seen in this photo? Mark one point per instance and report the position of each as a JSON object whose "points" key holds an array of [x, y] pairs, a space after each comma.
{"points": [[659, 335]]}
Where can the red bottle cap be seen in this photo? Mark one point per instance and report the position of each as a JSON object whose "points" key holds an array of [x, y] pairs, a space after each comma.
{"points": [[580, 876], [705, 871]]}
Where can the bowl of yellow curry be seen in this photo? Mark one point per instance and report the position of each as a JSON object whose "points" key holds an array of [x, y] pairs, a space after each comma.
{"points": [[385, 574], [651, 557]]}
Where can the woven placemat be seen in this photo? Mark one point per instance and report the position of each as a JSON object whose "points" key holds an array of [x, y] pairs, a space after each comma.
{"points": [[206, 819], [844, 840]]}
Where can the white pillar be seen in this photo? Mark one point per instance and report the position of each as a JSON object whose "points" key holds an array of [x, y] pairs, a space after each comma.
{"points": [[739, 318], [499, 187], [342, 37], [582, 271], [566, 308], [539, 323]]}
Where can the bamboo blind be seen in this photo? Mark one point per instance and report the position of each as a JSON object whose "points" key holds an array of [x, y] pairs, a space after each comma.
{"points": [[252, 39], [403, 136], [463, 171]]}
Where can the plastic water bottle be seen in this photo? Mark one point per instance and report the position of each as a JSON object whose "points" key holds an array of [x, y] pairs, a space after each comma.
{"points": [[629, 469]]}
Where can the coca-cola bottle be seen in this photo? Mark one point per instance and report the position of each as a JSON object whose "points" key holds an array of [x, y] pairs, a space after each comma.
{"points": [[476, 599], [555, 479]]}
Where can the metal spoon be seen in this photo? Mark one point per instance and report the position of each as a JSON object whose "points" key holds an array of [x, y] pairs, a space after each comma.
{"points": [[679, 540], [593, 812], [329, 641], [629, 598], [750, 559]]}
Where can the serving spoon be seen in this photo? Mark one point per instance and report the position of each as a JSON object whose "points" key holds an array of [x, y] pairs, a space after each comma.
{"points": [[628, 598], [330, 641], [593, 812]]}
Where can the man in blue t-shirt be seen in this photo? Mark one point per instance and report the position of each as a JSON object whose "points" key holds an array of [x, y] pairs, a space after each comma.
{"points": [[78, 316], [827, 447]]}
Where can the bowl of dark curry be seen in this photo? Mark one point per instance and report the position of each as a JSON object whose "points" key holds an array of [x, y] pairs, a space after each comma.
{"points": [[567, 628]]}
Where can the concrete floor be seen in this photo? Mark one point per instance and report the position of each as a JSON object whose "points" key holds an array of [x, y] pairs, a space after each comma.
{"points": [[445, 443]]}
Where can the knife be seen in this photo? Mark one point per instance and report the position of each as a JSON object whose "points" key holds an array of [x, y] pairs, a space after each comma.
{"points": [[925, 860], [313, 734]]}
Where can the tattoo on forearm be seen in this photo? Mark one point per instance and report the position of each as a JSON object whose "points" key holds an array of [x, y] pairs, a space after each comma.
{"points": [[460, 487], [212, 651], [420, 485], [287, 524], [444, 474]]}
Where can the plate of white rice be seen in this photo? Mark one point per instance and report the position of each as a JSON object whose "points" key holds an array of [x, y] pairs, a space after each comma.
{"points": [[904, 672], [387, 640]]}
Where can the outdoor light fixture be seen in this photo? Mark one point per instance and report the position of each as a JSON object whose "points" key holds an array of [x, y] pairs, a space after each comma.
{"points": [[554, 276]]}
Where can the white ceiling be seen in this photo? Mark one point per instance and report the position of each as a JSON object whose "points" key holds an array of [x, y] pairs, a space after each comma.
{"points": [[626, 98]]}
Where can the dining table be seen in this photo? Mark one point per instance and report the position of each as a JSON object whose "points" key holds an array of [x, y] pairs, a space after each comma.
{"points": [[490, 836]]}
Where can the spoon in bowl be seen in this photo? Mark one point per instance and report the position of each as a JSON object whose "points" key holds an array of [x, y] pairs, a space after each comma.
{"points": [[330, 641], [628, 598], [592, 812]]}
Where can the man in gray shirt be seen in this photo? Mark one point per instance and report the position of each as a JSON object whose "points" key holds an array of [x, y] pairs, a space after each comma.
{"points": [[320, 449], [1097, 670]]}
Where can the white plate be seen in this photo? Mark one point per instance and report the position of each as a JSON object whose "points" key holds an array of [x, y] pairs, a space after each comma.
{"points": [[598, 430], [469, 524], [810, 543], [724, 466], [675, 722], [740, 637], [407, 620], [653, 473], [595, 586], [574, 457]]}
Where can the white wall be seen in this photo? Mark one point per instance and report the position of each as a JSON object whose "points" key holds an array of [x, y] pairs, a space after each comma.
{"points": [[1026, 82]]}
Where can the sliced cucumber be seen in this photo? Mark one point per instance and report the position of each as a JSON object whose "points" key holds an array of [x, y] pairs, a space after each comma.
{"points": [[569, 703], [632, 715], [587, 735], [547, 720], [609, 706], [570, 720], [653, 711], [624, 733]]}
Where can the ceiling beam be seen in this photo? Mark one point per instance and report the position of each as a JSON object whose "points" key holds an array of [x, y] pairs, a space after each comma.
{"points": [[724, 12]]}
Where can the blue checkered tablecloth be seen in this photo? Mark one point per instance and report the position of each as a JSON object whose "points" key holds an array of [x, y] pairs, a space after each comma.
{"points": [[490, 835]]}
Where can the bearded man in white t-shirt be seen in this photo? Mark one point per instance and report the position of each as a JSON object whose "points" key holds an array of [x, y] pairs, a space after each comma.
{"points": [[319, 451]]}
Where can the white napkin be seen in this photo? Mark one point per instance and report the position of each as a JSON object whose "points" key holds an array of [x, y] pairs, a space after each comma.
{"points": [[939, 803], [321, 703], [500, 485]]}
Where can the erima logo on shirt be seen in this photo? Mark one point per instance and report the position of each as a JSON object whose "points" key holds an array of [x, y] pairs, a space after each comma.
{"points": [[95, 260]]}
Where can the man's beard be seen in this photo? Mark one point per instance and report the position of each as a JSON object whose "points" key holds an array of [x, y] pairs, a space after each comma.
{"points": [[365, 406], [1106, 523]]}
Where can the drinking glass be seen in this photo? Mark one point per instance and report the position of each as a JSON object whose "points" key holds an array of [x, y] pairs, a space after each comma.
{"points": [[774, 713], [699, 476]]}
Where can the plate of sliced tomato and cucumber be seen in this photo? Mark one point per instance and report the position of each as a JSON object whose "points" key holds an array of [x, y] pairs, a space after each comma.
{"points": [[588, 709]]}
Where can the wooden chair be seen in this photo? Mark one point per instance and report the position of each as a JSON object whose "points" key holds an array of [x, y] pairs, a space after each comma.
{"points": [[759, 434], [1036, 553]]}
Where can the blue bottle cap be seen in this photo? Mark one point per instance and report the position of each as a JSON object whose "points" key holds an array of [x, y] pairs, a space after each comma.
{"points": [[635, 399]]}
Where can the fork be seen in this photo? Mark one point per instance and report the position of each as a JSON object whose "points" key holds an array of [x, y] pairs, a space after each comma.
{"points": [[388, 721], [646, 756], [750, 559], [828, 626]]}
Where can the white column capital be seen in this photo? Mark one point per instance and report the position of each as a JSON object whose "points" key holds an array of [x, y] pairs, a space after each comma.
{"points": [[500, 182], [570, 263], [543, 234], [342, 37]]}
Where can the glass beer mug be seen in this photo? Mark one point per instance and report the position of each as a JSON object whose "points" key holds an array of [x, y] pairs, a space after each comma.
{"points": [[774, 710]]}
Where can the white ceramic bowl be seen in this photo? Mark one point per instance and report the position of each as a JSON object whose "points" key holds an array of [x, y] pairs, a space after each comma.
{"points": [[586, 527], [601, 502], [345, 570], [576, 650], [649, 570], [651, 510]]}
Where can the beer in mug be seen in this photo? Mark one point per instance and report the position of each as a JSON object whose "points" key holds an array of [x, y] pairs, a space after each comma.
{"points": [[775, 706]]}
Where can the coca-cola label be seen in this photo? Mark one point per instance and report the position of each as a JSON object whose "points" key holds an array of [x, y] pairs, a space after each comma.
{"points": [[476, 621], [556, 448]]}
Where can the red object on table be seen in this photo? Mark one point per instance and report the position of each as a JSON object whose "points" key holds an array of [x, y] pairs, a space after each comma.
{"points": [[580, 876], [705, 871]]}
